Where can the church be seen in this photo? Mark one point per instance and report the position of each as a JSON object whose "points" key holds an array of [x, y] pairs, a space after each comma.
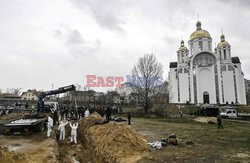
{"points": [[202, 75]]}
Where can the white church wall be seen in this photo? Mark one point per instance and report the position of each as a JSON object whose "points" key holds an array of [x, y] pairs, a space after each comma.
{"points": [[228, 86], [173, 90], [206, 84], [196, 47], [241, 92], [184, 88]]}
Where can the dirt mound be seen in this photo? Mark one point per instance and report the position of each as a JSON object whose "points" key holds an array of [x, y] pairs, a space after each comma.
{"points": [[111, 142], [28, 150], [210, 120], [11, 157]]}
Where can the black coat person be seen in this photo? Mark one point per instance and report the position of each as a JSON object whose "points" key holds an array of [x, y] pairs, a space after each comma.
{"points": [[129, 118], [55, 118], [108, 113], [219, 122]]}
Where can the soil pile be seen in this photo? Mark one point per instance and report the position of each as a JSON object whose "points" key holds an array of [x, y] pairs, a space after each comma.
{"points": [[111, 142], [206, 119], [11, 157], [28, 151]]}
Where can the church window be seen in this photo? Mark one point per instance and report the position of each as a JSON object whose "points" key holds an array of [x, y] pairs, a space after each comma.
{"points": [[192, 48], [204, 59], [195, 86], [220, 54], [224, 68], [200, 45], [230, 68], [209, 46], [225, 54], [180, 71]]}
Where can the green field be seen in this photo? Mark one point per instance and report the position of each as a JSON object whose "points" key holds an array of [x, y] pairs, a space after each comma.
{"points": [[232, 144]]}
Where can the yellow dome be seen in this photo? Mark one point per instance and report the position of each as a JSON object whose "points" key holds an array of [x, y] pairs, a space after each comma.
{"points": [[223, 42], [183, 47], [199, 33]]}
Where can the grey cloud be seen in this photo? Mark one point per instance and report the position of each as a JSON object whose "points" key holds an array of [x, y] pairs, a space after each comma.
{"points": [[76, 44], [75, 37], [107, 14]]}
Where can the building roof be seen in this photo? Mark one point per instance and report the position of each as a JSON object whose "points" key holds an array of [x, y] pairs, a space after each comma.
{"points": [[183, 47], [235, 59], [223, 42], [173, 64], [199, 33], [35, 92]]}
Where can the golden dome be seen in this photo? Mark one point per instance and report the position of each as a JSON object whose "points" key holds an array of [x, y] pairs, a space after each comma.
{"points": [[183, 47], [223, 42], [199, 33]]}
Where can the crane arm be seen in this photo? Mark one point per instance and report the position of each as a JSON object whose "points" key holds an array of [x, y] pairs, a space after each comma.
{"points": [[40, 107]]}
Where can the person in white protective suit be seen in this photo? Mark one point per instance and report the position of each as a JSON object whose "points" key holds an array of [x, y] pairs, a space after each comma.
{"points": [[73, 132], [61, 129], [86, 113], [49, 126]]}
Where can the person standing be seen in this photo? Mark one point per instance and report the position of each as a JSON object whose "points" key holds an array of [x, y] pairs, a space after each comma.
{"points": [[55, 117], [73, 132], [49, 126], [86, 113], [129, 118], [108, 113], [61, 129], [219, 122]]}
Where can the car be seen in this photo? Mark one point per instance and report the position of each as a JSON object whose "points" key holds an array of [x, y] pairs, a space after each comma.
{"points": [[229, 113]]}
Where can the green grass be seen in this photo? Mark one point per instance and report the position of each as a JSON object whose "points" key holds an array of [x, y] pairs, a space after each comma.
{"points": [[232, 144]]}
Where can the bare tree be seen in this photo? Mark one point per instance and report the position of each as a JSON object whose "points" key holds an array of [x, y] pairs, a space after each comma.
{"points": [[147, 75], [13, 91], [85, 88], [78, 87]]}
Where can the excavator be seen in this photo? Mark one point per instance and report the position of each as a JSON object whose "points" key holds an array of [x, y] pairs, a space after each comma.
{"points": [[35, 122], [42, 95]]}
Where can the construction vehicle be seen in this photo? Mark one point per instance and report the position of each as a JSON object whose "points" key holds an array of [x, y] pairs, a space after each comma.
{"points": [[35, 122], [40, 104]]}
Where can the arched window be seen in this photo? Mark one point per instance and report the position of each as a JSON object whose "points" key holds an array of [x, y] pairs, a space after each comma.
{"points": [[204, 59], [225, 54], [200, 45]]}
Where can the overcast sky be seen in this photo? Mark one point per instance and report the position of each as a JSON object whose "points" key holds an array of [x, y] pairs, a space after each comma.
{"points": [[45, 42]]}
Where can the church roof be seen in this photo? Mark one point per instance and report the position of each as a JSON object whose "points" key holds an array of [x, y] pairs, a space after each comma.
{"points": [[173, 64], [235, 59], [223, 42], [199, 33], [183, 47]]}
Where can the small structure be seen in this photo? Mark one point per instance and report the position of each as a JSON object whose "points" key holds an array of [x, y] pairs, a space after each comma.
{"points": [[30, 95]]}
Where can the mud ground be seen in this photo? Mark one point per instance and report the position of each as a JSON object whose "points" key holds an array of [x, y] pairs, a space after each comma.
{"points": [[37, 148], [208, 144]]}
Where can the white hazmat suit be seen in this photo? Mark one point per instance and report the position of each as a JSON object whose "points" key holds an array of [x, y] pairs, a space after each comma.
{"points": [[73, 132], [86, 113], [61, 129], [49, 126]]}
